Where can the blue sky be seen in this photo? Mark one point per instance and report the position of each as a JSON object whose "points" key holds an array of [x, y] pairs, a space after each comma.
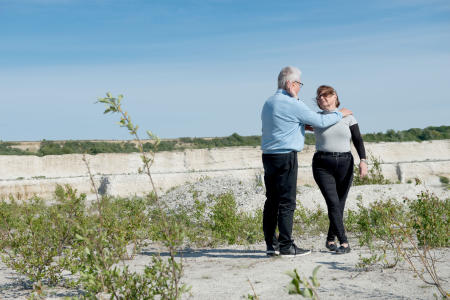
{"points": [[205, 68]]}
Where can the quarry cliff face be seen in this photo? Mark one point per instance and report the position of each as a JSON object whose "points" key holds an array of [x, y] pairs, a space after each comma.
{"points": [[116, 174]]}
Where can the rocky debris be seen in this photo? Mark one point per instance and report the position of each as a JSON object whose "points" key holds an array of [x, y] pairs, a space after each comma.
{"points": [[250, 194]]}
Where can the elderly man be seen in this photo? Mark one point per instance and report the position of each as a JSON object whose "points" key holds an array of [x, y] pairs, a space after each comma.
{"points": [[284, 118]]}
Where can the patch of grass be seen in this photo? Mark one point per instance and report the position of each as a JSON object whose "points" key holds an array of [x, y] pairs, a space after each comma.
{"points": [[444, 180]]}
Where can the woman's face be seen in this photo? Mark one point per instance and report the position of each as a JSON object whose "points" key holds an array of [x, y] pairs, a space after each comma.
{"points": [[327, 102]]}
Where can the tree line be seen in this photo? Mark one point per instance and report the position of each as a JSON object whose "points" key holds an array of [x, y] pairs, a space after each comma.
{"points": [[234, 140]]}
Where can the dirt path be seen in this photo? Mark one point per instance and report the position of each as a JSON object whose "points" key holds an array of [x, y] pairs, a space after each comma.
{"points": [[222, 273]]}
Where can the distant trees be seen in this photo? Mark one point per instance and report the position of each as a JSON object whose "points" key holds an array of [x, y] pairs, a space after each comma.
{"points": [[413, 134], [6, 149], [234, 140]]}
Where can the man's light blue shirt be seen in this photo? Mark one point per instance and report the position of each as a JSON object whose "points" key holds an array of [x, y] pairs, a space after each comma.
{"points": [[283, 123]]}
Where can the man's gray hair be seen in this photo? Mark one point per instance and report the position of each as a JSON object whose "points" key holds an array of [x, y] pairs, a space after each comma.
{"points": [[289, 73]]}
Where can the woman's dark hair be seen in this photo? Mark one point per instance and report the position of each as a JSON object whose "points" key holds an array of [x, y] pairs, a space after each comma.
{"points": [[325, 90]]}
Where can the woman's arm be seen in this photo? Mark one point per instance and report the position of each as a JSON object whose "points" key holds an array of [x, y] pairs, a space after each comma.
{"points": [[358, 141], [359, 145]]}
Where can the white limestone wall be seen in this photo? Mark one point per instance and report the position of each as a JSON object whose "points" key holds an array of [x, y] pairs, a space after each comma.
{"points": [[117, 173]]}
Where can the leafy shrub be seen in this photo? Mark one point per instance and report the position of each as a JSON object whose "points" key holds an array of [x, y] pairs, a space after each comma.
{"points": [[233, 226], [225, 219], [430, 219], [125, 223], [312, 221], [374, 232], [427, 220], [444, 180], [37, 238], [221, 223], [374, 175]]}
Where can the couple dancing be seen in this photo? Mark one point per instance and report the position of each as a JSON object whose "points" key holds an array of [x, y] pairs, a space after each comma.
{"points": [[284, 121]]}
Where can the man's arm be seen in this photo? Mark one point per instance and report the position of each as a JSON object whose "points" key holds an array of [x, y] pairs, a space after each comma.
{"points": [[307, 116]]}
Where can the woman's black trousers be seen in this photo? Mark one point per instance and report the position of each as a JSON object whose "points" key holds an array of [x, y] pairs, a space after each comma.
{"points": [[334, 175]]}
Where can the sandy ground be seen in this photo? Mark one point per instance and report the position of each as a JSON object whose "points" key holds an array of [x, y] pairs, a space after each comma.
{"points": [[221, 273]]}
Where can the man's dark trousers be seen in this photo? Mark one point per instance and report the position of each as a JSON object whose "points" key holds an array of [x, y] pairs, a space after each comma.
{"points": [[280, 177]]}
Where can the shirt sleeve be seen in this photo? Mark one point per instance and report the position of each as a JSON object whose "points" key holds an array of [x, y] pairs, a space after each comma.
{"points": [[358, 141], [352, 120], [309, 117]]}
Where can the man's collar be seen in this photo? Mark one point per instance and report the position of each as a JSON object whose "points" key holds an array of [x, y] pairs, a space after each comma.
{"points": [[284, 92]]}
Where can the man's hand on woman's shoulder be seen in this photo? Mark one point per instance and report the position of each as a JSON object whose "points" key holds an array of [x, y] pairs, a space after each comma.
{"points": [[346, 112]]}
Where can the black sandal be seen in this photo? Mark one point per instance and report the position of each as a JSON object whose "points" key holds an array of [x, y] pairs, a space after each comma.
{"points": [[331, 247], [343, 250]]}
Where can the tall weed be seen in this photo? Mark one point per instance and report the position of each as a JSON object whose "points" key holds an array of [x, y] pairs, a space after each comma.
{"points": [[101, 251]]}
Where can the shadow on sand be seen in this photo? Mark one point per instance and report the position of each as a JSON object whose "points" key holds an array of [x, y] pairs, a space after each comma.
{"points": [[216, 253]]}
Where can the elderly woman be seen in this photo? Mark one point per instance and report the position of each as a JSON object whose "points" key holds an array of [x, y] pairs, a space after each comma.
{"points": [[333, 164]]}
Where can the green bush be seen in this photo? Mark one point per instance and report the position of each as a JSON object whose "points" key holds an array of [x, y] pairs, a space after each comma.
{"points": [[232, 226], [374, 175], [430, 219], [126, 223], [374, 232], [310, 221], [35, 234], [221, 223], [444, 180]]}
